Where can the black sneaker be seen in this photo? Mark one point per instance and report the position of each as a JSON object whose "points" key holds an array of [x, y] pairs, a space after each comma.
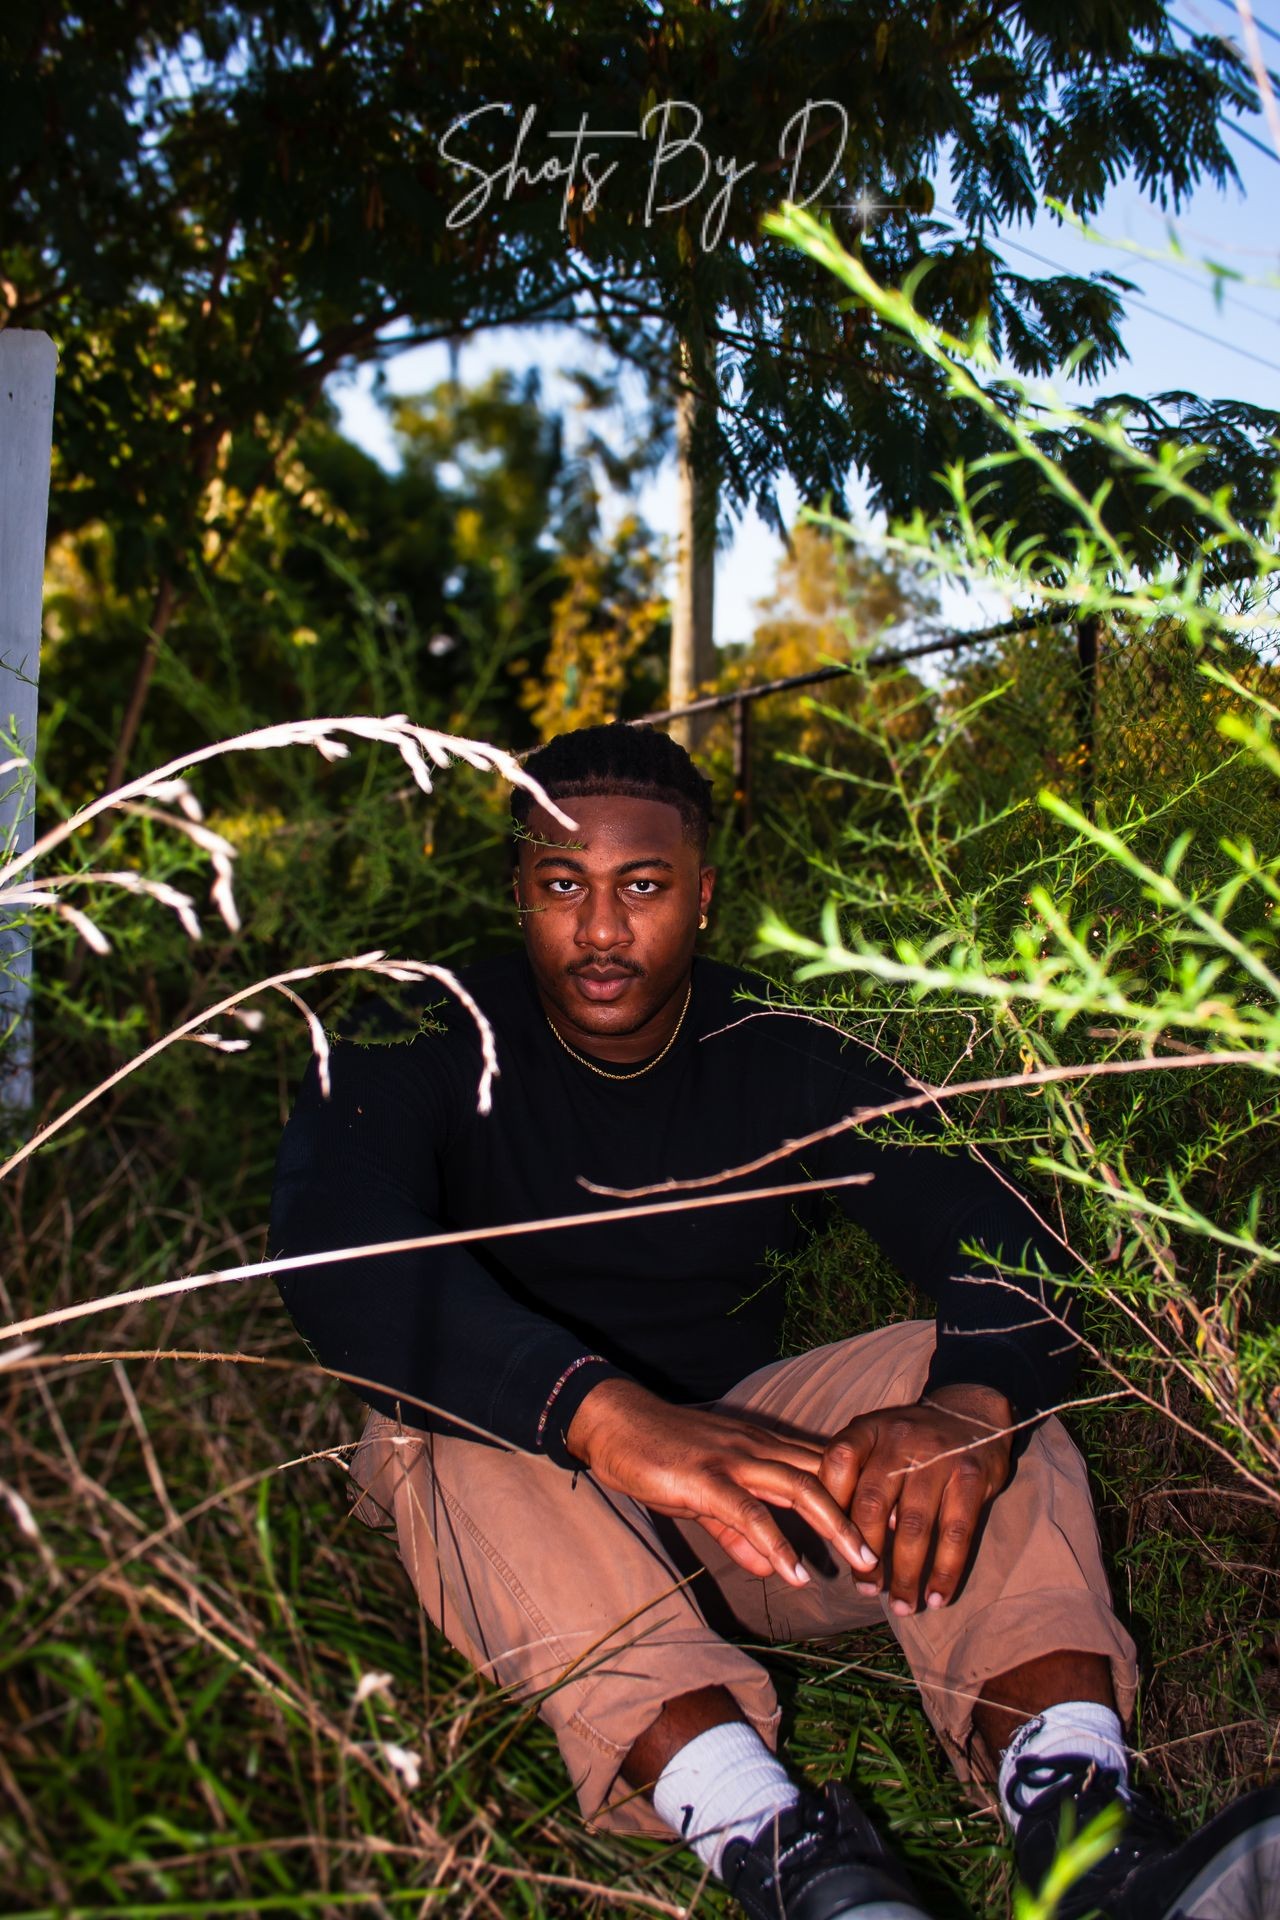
{"points": [[1229, 1870], [821, 1860]]}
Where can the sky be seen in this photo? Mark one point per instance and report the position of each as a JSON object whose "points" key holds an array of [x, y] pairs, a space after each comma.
{"points": [[1177, 334]]}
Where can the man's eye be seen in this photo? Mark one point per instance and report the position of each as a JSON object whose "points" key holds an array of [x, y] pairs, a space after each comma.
{"points": [[554, 884], [636, 885]]}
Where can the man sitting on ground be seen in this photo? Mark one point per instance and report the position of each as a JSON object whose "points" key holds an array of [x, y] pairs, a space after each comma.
{"points": [[567, 1423]]}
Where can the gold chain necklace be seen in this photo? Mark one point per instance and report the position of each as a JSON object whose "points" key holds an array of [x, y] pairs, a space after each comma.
{"points": [[640, 1071]]}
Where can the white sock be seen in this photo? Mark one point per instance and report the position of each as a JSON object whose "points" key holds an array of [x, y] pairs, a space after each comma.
{"points": [[1080, 1728], [724, 1785]]}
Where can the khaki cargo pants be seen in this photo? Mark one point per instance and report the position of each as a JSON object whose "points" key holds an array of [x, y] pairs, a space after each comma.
{"points": [[564, 1592]]}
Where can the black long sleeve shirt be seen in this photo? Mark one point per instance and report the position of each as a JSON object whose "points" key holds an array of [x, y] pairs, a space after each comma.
{"points": [[508, 1335]]}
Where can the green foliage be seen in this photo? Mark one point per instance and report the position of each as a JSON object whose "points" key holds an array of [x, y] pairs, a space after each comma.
{"points": [[1053, 898], [214, 208], [832, 603], [1101, 940], [1080, 1852], [186, 1618], [433, 589]]}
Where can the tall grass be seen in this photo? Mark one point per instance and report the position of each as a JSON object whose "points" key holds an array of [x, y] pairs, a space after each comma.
{"points": [[1063, 924], [1108, 957], [220, 1696]]}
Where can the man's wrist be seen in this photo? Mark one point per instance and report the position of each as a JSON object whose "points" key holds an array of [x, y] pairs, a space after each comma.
{"points": [[608, 1402], [977, 1402]]}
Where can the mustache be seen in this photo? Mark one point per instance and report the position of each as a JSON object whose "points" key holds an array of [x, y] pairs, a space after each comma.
{"points": [[605, 960]]}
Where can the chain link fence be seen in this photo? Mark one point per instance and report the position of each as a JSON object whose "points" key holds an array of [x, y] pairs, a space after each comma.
{"points": [[1109, 716]]}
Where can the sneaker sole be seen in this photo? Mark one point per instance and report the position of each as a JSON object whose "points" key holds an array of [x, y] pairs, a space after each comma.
{"points": [[1241, 1879]]}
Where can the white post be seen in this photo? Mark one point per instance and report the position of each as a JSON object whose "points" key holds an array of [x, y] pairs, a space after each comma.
{"points": [[28, 362]]}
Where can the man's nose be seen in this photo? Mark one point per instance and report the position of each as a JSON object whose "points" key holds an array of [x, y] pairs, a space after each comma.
{"points": [[602, 923]]}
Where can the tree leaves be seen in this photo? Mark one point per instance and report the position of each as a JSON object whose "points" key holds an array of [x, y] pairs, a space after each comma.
{"points": [[215, 207]]}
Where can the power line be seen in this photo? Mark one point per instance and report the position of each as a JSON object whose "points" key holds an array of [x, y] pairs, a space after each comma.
{"points": [[1168, 266], [1270, 72], [1158, 313], [1226, 38], [1261, 25], [1201, 334], [1268, 153], [1162, 266]]}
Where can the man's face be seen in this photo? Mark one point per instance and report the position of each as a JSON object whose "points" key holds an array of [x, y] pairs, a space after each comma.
{"points": [[611, 919]]}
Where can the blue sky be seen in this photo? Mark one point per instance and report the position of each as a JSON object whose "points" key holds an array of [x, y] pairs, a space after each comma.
{"points": [[1177, 335]]}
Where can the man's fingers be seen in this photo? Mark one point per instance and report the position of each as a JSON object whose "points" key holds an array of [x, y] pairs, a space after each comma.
{"points": [[738, 1548], [805, 1494], [958, 1517], [742, 1514], [843, 1462], [872, 1512], [830, 1520], [801, 1454], [914, 1517]]}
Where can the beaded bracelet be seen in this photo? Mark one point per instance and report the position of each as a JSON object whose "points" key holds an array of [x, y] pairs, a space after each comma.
{"points": [[584, 1359]]}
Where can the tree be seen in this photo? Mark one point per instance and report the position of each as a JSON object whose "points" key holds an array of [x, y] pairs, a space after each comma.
{"points": [[451, 587], [213, 208], [693, 661], [612, 608]]}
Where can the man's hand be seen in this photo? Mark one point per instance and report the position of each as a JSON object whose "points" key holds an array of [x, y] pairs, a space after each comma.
{"points": [[709, 1467], [924, 1473]]}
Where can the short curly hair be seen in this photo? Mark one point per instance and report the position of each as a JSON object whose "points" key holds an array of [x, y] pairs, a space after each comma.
{"points": [[638, 762]]}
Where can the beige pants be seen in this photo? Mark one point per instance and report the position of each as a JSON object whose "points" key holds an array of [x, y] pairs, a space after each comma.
{"points": [[574, 1597]]}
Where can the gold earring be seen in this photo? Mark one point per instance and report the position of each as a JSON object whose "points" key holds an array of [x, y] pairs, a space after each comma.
{"points": [[702, 924]]}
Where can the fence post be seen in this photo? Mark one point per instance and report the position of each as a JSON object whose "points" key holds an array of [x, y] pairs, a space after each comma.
{"points": [[28, 362], [1088, 634]]}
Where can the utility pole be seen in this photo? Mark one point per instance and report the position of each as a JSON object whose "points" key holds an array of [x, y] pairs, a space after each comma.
{"points": [[28, 362]]}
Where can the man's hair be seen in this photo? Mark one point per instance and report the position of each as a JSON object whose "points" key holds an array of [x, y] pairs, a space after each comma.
{"points": [[637, 762]]}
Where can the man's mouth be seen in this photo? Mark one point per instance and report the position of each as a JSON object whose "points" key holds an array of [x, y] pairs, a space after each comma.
{"points": [[602, 983]]}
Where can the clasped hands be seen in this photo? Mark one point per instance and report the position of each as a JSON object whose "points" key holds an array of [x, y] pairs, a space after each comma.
{"points": [[921, 1475]]}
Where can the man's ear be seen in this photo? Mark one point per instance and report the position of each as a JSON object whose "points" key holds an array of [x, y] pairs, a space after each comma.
{"points": [[706, 887]]}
